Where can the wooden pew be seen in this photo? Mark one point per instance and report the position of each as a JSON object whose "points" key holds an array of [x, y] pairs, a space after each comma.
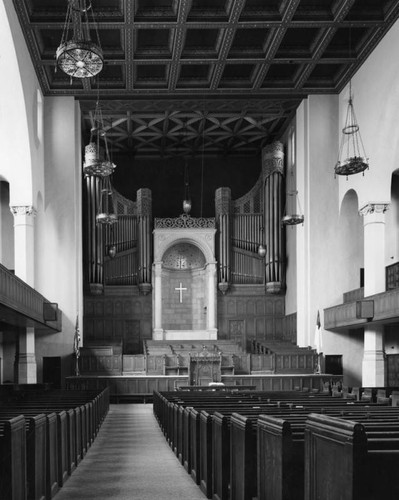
{"points": [[13, 479], [349, 460]]}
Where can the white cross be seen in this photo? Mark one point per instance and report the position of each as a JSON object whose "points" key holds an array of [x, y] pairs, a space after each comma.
{"points": [[180, 289]]}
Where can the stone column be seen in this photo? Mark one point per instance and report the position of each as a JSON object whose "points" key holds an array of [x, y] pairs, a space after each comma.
{"points": [[157, 333], [25, 269], [273, 171], [222, 210], [144, 211], [374, 361], [212, 301]]}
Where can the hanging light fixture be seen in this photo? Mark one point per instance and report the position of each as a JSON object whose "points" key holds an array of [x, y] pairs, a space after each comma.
{"points": [[106, 210], [292, 214], [291, 217], [352, 157], [77, 55], [97, 158], [261, 248], [187, 197]]}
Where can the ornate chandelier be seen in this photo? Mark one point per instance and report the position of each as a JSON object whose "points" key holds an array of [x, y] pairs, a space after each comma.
{"points": [[97, 158], [352, 157], [77, 55], [292, 218], [106, 211]]}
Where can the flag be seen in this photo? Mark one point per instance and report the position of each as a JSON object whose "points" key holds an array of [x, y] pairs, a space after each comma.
{"points": [[317, 335], [76, 339]]}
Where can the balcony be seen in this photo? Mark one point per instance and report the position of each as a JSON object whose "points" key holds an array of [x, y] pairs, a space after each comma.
{"points": [[381, 308], [22, 306]]}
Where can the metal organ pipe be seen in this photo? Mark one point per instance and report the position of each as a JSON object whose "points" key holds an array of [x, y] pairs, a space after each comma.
{"points": [[273, 171]]}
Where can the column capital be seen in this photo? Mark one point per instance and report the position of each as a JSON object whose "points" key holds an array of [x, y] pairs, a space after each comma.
{"points": [[374, 207], [22, 210]]}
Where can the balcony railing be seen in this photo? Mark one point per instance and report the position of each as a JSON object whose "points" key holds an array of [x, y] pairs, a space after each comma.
{"points": [[26, 303]]}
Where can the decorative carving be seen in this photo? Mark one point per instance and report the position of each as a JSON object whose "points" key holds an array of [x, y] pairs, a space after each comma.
{"points": [[222, 201], [273, 159], [255, 193], [183, 256], [184, 221], [22, 210], [374, 208], [144, 202]]}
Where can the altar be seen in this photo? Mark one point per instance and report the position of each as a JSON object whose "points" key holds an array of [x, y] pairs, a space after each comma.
{"points": [[184, 279]]}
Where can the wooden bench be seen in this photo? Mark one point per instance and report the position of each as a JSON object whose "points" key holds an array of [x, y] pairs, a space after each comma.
{"points": [[348, 460]]}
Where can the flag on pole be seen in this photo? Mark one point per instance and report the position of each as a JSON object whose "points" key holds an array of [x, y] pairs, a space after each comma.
{"points": [[76, 340], [76, 346], [317, 335], [318, 342]]}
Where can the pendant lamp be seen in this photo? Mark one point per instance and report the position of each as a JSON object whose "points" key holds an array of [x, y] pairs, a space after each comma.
{"points": [[78, 55]]}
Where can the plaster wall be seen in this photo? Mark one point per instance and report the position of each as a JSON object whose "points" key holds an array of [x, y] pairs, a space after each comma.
{"points": [[6, 228], [58, 229], [20, 105]]}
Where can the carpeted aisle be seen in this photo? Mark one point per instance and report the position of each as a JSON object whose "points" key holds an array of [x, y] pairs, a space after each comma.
{"points": [[130, 460]]}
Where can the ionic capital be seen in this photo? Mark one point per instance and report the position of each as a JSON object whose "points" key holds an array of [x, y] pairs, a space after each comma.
{"points": [[18, 210], [374, 208]]}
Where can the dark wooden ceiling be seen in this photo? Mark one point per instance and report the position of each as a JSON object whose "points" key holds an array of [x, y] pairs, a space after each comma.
{"points": [[207, 76]]}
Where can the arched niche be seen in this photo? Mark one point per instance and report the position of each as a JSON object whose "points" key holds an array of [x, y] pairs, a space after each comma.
{"points": [[351, 241], [184, 284]]}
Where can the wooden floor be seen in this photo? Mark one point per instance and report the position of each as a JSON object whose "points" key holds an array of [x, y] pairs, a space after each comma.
{"points": [[130, 460]]}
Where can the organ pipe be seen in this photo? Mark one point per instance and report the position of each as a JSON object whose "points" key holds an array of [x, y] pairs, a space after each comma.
{"points": [[144, 210], [223, 219], [273, 171]]}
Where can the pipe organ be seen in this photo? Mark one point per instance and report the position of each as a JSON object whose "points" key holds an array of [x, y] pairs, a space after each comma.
{"points": [[129, 263]]}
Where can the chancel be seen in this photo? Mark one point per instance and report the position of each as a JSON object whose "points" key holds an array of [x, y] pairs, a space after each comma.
{"points": [[199, 230]]}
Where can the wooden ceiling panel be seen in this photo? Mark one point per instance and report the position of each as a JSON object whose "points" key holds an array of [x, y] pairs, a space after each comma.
{"points": [[239, 56]]}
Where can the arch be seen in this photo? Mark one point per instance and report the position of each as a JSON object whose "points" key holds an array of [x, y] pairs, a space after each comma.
{"points": [[350, 240], [17, 130], [201, 238]]}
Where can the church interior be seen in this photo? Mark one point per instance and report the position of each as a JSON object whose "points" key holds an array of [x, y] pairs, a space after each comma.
{"points": [[195, 194]]}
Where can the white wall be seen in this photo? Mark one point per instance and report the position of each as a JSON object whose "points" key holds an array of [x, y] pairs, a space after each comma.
{"points": [[329, 248], [59, 269]]}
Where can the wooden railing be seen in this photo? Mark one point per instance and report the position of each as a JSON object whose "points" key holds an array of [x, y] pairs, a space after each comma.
{"points": [[24, 300]]}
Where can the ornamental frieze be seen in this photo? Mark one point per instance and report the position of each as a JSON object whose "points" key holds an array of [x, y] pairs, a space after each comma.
{"points": [[183, 222]]}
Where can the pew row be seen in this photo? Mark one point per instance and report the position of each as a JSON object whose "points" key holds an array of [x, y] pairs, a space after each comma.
{"points": [[241, 446], [43, 438]]}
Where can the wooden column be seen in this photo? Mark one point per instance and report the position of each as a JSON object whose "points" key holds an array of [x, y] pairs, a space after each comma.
{"points": [[273, 171], [223, 221], [144, 213], [94, 235]]}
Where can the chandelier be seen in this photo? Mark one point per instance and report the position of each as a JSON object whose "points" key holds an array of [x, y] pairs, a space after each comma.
{"points": [[262, 248], [97, 158], [77, 55], [292, 218], [106, 211], [352, 157]]}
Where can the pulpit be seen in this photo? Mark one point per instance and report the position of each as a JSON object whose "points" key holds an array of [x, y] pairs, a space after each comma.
{"points": [[205, 367]]}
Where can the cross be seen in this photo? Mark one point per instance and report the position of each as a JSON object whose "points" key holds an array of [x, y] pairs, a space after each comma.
{"points": [[180, 289]]}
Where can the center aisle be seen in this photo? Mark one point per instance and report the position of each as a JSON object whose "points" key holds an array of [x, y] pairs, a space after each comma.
{"points": [[130, 460]]}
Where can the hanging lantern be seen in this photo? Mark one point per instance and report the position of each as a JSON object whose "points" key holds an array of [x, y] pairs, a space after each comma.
{"points": [[106, 213], [97, 158], [262, 251], [77, 55], [261, 248], [291, 218], [187, 198], [112, 251], [352, 157]]}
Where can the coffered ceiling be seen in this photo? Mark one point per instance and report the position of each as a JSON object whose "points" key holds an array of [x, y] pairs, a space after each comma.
{"points": [[207, 76]]}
